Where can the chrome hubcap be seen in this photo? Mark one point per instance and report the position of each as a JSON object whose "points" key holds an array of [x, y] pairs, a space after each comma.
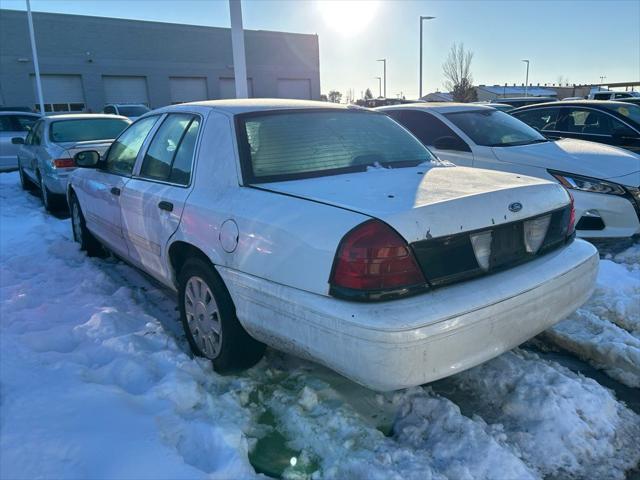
{"points": [[75, 220], [203, 317]]}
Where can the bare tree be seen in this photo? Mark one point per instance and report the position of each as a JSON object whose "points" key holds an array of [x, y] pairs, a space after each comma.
{"points": [[457, 73], [562, 79], [334, 96]]}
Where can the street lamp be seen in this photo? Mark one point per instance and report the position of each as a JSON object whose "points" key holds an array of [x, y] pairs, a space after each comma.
{"points": [[421, 19], [526, 83], [384, 74], [379, 86], [602, 77]]}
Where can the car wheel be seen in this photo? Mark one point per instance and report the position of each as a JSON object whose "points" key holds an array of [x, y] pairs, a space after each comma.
{"points": [[209, 319], [25, 183], [45, 194], [81, 233]]}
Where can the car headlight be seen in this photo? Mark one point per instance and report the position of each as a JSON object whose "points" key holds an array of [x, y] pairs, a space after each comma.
{"points": [[635, 193], [587, 184]]}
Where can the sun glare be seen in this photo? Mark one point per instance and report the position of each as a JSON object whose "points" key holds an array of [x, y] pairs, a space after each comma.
{"points": [[348, 17]]}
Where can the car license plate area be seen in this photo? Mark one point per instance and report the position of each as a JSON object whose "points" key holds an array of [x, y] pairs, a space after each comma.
{"points": [[507, 245]]}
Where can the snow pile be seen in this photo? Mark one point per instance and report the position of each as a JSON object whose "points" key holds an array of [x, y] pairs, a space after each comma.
{"points": [[92, 385], [606, 331], [561, 423]]}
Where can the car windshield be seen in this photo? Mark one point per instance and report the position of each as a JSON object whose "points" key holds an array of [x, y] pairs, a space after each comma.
{"points": [[133, 110], [82, 130], [629, 110], [492, 128], [285, 145]]}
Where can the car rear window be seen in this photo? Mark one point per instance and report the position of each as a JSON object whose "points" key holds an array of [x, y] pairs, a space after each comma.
{"points": [[286, 145], [630, 111], [133, 110], [82, 130]]}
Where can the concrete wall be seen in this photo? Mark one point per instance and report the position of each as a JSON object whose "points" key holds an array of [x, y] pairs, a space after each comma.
{"points": [[94, 46]]}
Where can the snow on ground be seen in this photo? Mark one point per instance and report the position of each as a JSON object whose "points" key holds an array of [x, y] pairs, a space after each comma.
{"points": [[96, 382], [606, 331]]}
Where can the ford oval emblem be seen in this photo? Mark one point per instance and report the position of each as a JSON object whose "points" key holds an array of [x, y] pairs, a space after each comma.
{"points": [[515, 206]]}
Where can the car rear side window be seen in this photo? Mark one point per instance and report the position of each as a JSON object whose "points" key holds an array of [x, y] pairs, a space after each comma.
{"points": [[86, 129], [587, 122], [426, 127], [124, 151], [539, 118], [170, 153], [286, 144]]}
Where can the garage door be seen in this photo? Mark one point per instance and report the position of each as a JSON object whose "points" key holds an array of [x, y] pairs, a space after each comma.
{"points": [[294, 88], [188, 89], [125, 89], [61, 93], [228, 87]]}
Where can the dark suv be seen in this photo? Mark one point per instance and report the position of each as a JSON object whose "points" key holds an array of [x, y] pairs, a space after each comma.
{"points": [[613, 123]]}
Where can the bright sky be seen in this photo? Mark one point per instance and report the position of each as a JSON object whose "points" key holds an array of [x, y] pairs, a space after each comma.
{"points": [[578, 40]]}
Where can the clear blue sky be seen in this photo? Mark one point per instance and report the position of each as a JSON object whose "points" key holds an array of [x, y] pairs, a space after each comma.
{"points": [[578, 40]]}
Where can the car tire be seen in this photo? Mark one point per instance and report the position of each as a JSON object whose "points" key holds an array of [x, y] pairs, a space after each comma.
{"points": [[209, 319], [81, 233], [48, 199], [25, 182]]}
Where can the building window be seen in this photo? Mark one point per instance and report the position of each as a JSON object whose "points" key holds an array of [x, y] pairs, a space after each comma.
{"points": [[61, 107]]}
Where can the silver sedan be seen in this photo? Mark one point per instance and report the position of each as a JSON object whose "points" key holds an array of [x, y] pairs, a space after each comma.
{"points": [[13, 125], [45, 157]]}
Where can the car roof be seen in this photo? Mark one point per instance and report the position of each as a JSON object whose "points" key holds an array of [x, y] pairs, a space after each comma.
{"points": [[246, 105], [575, 103], [82, 116], [440, 107], [18, 112]]}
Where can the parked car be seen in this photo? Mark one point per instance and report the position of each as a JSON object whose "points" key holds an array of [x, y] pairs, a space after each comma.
{"points": [[503, 107], [604, 180], [45, 157], [330, 232], [130, 110], [21, 109], [516, 102], [609, 95], [13, 124], [613, 123]]}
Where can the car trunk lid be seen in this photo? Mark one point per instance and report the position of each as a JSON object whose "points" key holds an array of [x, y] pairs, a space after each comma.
{"points": [[427, 202]]}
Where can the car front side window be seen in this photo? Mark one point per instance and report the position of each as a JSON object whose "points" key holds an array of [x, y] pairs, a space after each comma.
{"points": [[428, 129], [543, 119], [123, 153]]}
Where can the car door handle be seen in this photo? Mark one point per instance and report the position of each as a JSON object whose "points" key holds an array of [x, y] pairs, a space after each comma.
{"points": [[168, 206], [115, 191]]}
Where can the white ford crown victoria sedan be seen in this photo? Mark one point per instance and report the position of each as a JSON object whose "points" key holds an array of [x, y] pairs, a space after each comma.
{"points": [[604, 180], [331, 233]]}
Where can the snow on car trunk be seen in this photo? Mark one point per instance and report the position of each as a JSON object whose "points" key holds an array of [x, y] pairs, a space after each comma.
{"points": [[431, 201], [95, 382]]}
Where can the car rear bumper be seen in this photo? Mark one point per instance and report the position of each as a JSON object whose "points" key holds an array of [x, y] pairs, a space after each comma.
{"points": [[402, 343], [57, 182]]}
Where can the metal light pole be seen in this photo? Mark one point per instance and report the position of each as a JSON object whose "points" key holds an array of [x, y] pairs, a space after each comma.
{"points": [[421, 19], [237, 45], [384, 74], [602, 77], [526, 83], [34, 52], [379, 86]]}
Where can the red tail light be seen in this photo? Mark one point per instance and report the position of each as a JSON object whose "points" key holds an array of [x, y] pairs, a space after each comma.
{"points": [[571, 226], [64, 163], [373, 259]]}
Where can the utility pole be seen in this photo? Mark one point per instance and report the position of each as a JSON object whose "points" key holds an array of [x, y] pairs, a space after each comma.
{"points": [[602, 77], [237, 45], [526, 83], [384, 74], [422, 18], [34, 52]]}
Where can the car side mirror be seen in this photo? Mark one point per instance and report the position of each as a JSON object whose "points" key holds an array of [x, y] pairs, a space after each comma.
{"points": [[17, 141], [87, 159], [448, 143]]}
